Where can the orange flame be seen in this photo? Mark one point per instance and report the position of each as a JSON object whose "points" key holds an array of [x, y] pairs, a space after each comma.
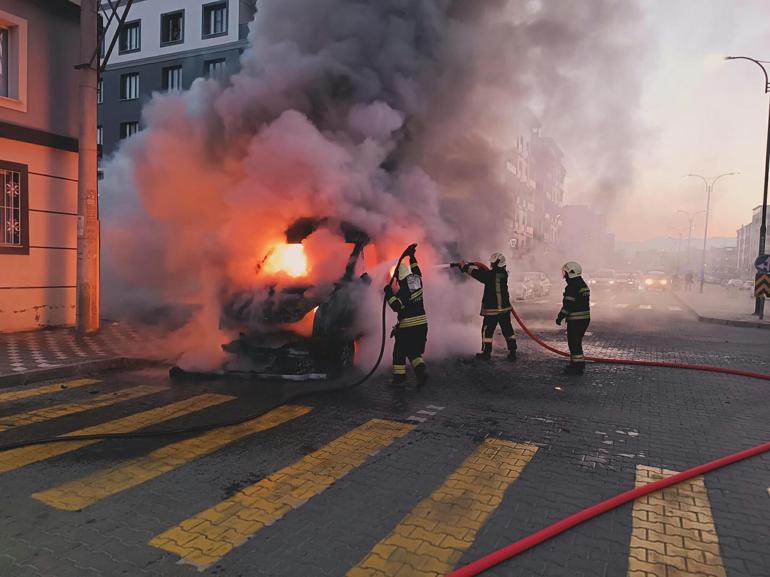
{"points": [[289, 259]]}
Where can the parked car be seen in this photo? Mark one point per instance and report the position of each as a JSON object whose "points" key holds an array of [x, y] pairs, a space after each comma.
{"points": [[604, 279], [656, 280], [748, 285], [542, 284], [627, 281], [520, 287]]}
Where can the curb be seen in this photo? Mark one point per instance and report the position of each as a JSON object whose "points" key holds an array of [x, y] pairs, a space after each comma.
{"points": [[717, 321], [73, 370]]}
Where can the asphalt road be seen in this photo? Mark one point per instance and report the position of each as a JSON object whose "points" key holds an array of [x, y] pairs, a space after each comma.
{"points": [[371, 482]]}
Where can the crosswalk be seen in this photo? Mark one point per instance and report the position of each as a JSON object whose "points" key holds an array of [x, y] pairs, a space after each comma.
{"points": [[620, 306], [673, 531]]}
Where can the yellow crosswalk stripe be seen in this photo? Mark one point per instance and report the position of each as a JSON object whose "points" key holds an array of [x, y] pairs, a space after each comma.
{"points": [[55, 411], [673, 530], [83, 492], [211, 534], [44, 390], [430, 540], [16, 458]]}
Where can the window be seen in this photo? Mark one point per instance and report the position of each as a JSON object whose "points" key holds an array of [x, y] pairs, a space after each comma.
{"points": [[214, 19], [172, 78], [128, 129], [99, 135], [172, 28], [13, 62], [129, 86], [215, 68], [14, 233], [130, 37], [100, 91]]}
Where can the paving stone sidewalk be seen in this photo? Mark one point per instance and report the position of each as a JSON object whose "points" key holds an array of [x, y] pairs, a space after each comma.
{"points": [[724, 306], [52, 348]]}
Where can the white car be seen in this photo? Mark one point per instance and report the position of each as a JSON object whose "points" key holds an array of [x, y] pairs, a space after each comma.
{"points": [[604, 279], [540, 282]]}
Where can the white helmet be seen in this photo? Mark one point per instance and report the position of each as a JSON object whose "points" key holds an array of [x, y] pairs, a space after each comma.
{"points": [[404, 270], [572, 269], [497, 259]]}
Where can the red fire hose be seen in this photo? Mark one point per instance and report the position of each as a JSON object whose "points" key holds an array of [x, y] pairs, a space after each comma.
{"points": [[522, 545]]}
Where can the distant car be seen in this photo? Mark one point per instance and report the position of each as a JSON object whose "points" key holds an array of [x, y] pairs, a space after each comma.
{"points": [[627, 281], [520, 287], [541, 283], [604, 279], [656, 280], [748, 285]]}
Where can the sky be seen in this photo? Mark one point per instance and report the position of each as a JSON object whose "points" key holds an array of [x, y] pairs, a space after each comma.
{"points": [[699, 114]]}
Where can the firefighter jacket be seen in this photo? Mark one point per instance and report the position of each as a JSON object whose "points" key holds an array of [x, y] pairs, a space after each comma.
{"points": [[408, 301], [495, 280], [577, 300]]}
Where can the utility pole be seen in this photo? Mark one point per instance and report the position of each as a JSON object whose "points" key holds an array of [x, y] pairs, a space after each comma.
{"points": [[709, 190], [87, 311], [691, 224], [759, 306]]}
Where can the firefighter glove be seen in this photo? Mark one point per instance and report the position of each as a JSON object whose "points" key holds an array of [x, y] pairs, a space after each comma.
{"points": [[410, 250], [559, 319]]}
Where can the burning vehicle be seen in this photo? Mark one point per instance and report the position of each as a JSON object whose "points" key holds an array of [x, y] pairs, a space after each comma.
{"points": [[297, 330]]}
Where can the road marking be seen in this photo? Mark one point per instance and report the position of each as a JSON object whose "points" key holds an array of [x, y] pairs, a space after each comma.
{"points": [[81, 493], [645, 307], [430, 540], [673, 530], [45, 389], [425, 411], [16, 458], [56, 411], [621, 306], [675, 309], [211, 534]]}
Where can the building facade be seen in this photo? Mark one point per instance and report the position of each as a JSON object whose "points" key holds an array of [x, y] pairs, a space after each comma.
{"points": [[748, 244], [165, 45], [39, 114], [549, 173]]}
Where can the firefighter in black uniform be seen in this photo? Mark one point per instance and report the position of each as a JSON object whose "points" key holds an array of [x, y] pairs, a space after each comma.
{"points": [[495, 304], [411, 332], [576, 308]]}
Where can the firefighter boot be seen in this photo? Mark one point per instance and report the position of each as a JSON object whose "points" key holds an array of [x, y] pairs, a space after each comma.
{"points": [[575, 368], [398, 382], [422, 374], [486, 352], [512, 348]]}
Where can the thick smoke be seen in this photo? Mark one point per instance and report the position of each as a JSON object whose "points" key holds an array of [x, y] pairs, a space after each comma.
{"points": [[396, 116]]}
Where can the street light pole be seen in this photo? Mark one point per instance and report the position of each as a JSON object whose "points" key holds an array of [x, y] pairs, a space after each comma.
{"points": [[709, 189], [759, 307], [691, 221]]}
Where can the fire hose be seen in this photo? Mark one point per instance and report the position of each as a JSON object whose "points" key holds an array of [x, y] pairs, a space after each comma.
{"points": [[495, 558]]}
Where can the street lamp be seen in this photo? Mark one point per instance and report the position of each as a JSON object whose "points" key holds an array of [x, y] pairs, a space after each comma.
{"points": [[691, 219], [759, 307], [709, 189]]}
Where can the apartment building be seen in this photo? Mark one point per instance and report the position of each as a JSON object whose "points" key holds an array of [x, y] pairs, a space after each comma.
{"points": [[39, 112], [165, 45], [748, 244]]}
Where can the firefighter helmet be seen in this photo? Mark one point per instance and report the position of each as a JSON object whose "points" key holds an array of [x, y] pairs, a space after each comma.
{"points": [[572, 269], [497, 259], [404, 270]]}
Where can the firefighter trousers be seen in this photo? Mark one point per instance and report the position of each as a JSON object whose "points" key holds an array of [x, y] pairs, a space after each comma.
{"points": [[410, 344], [575, 331], [488, 331]]}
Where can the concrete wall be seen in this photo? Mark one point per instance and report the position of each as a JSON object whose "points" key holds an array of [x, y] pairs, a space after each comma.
{"points": [[38, 288], [53, 46]]}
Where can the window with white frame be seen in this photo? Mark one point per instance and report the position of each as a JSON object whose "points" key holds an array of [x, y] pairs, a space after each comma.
{"points": [[215, 68], [13, 62], [14, 233], [172, 78], [130, 37], [100, 91], [99, 135], [214, 19], [128, 129], [129, 86]]}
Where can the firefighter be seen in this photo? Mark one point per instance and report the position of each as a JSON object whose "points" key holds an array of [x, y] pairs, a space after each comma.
{"points": [[411, 331], [495, 303], [576, 308]]}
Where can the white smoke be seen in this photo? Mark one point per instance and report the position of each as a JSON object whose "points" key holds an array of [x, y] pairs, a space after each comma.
{"points": [[394, 115]]}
